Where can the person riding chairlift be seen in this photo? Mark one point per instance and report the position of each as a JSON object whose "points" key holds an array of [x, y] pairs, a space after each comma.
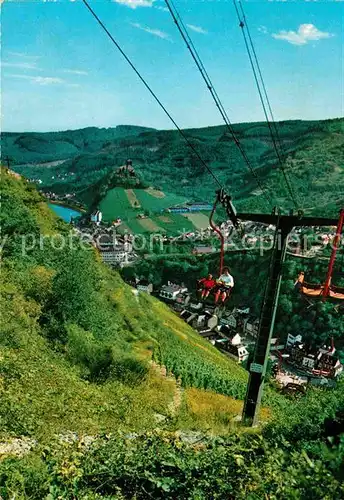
{"points": [[207, 284], [225, 284]]}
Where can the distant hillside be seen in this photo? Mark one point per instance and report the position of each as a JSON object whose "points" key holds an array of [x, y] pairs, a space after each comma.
{"points": [[36, 147], [141, 208], [315, 161]]}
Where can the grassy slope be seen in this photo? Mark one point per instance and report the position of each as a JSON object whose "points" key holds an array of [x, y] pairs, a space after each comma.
{"points": [[43, 391]]}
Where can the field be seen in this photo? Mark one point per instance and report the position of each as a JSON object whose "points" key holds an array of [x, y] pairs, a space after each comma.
{"points": [[155, 192], [174, 223], [134, 202], [199, 220], [149, 225], [116, 204], [165, 219], [155, 204], [124, 229], [127, 204]]}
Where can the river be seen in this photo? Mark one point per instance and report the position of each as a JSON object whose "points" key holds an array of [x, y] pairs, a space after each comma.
{"points": [[64, 212]]}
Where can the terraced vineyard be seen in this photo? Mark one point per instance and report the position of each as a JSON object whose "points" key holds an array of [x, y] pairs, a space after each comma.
{"points": [[173, 223], [199, 220], [192, 360], [128, 204], [116, 204]]}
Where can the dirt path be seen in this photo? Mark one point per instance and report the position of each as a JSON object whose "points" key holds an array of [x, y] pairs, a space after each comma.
{"points": [[174, 405], [155, 192], [134, 202]]}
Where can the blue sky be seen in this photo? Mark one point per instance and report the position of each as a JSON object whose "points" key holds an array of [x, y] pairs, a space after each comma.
{"points": [[60, 71]]}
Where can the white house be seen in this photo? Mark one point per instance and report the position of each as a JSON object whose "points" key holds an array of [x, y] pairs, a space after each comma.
{"points": [[171, 291], [251, 327], [114, 255], [96, 217], [231, 321], [144, 286], [293, 339], [242, 353], [236, 340]]}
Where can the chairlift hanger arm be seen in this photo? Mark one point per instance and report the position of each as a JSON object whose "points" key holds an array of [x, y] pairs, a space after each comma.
{"points": [[226, 201], [219, 233], [291, 220]]}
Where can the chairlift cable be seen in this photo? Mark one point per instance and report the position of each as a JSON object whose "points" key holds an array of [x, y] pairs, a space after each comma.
{"points": [[194, 53], [242, 25], [189, 143], [262, 80]]}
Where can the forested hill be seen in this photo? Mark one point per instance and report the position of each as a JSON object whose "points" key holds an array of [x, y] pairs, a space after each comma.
{"points": [[314, 160], [105, 394], [39, 147]]}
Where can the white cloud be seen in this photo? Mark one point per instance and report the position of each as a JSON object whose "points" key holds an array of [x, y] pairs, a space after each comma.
{"points": [[20, 65], [197, 29], [263, 29], [133, 4], [23, 55], [159, 33], [40, 80], [160, 7], [75, 72], [47, 80], [306, 33]]}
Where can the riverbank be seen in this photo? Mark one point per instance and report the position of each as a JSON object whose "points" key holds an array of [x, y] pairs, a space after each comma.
{"points": [[67, 204], [66, 213]]}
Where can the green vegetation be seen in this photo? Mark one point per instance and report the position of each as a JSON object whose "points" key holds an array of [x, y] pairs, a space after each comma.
{"points": [[27, 147], [317, 323], [65, 308], [314, 162], [117, 203], [195, 364], [76, 377]]}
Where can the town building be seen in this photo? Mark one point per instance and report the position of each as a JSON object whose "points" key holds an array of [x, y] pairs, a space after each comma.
{"points": [[251, 326], [96, 217], [171, 291], [203, 250], [113, 250], [191, 207], [230, 321], [321, 362], [114, 255], [235, 349], [144, 286]]}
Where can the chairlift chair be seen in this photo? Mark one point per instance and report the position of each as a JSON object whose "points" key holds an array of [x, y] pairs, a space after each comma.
{"points": [[327, 289]]}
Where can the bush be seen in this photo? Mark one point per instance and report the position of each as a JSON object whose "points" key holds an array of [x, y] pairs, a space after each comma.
{"points": [[95, 358], [129, 370], [98, 360], [162, 465]]}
